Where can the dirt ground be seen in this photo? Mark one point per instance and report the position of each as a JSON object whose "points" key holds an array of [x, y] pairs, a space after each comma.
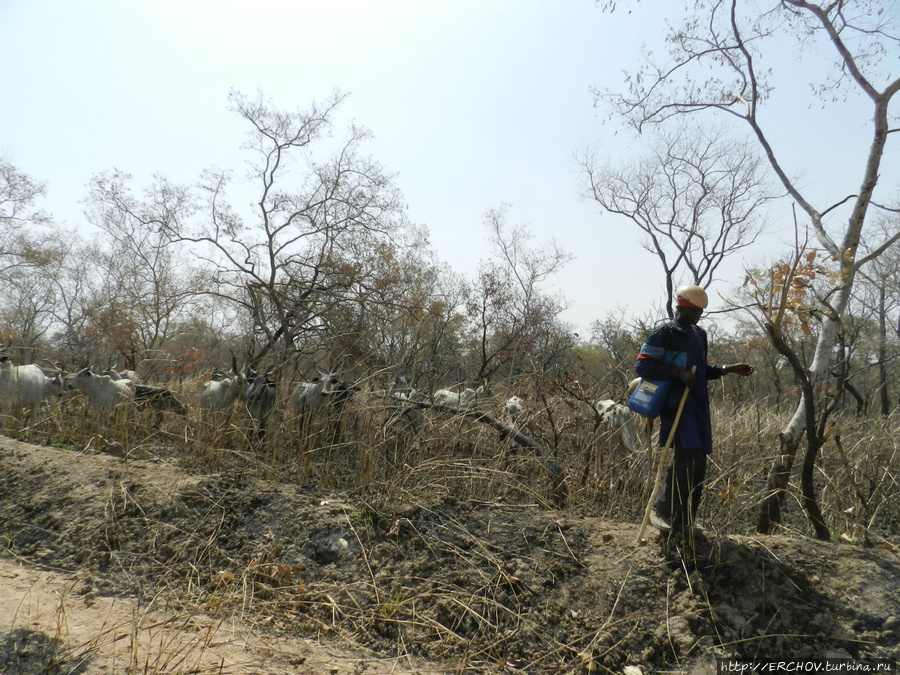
{"points": [[114, 565]]}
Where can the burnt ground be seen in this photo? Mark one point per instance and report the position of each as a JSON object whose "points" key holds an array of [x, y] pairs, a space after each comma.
{"points": [[330, 583]]}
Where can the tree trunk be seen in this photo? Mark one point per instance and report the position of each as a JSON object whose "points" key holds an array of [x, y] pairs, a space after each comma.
{"points": [[803, 419], [779, 475], [810, 504], [860, 401], [883, 393]]}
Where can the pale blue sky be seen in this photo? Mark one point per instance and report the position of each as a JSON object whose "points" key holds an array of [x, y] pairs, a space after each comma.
{"points": [[474, 104]]}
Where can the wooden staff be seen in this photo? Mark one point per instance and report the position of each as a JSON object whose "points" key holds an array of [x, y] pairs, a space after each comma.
{"points": [[663, 460]]}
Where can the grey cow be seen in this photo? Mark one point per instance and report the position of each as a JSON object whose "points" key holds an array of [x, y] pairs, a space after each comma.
{"points": [[259, 396]]}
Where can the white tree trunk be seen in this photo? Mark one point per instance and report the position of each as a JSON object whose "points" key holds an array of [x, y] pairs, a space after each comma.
{"points": [[795, 427]]}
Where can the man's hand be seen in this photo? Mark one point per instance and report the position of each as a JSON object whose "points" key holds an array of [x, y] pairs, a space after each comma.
{"points": [[687, 377], [742, 369]]}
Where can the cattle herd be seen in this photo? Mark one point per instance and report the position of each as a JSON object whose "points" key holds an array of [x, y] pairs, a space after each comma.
{"points": [[27, 387]]}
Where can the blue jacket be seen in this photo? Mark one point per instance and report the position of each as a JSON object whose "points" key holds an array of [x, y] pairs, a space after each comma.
{"points": [[670, 349]]}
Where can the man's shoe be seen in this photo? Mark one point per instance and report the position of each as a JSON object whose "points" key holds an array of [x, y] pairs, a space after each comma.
{"points": [[659, 521]]}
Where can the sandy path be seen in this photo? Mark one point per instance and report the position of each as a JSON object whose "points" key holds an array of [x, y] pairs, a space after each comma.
{"points": [[108, 635]]}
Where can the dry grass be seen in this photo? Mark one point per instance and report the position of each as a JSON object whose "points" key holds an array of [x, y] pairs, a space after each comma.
{"points": [[364, 451], [475, 619]]}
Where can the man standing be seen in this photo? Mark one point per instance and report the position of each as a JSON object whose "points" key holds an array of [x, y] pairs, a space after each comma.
{"points": [[671, 352]]}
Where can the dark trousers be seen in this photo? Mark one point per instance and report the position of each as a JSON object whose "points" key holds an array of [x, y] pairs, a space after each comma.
{"points": [[679, 496]]}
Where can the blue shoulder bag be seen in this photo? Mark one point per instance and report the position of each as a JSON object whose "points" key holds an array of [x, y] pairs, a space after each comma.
{"points": [[649, 397]]}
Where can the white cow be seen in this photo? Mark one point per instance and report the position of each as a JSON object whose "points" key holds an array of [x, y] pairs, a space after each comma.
{"points": [[225, 387], [121, 374], [516, 414], [103, 392], [26, 387], [464, 399], [617, 419], [399, 406], [308, 397]]}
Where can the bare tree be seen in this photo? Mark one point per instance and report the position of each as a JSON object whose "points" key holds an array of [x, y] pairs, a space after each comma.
{"points": [[144, 289], [29, 296], [696, 196], [717, 65], [615, 343], [878, 292], [19, 213], [305, 247], [32, 253], [510, 311], [407, 316], [786, 300]]}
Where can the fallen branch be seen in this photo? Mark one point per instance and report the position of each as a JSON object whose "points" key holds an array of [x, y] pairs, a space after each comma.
{"points": [[554, 471]]}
